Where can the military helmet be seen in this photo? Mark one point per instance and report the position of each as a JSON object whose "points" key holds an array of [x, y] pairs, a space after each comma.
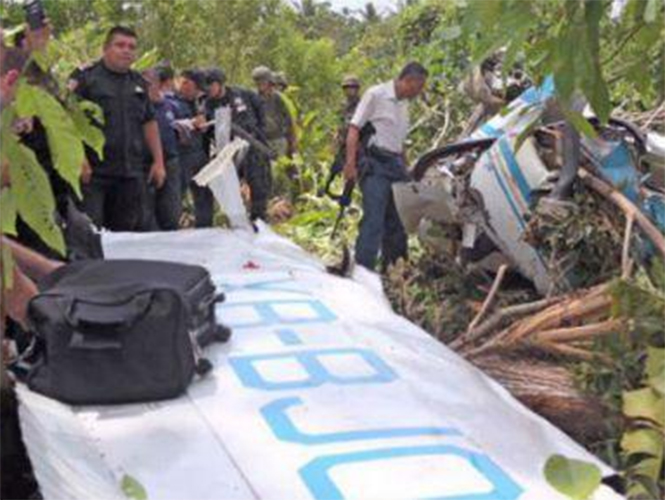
{"points": [[279, 78], [350, 81], [262, 74]]}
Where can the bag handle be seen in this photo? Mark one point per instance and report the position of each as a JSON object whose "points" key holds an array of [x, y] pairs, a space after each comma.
{"points": [[81, 314]]}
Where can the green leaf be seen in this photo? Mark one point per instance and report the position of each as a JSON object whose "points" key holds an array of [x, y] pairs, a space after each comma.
{"points": [[576, 479], [647, 443], [579, 122], [91, 134], [644, 404], [32, 193], [656, 369], [7, 267], [7, 212], [147, 60], [64, 140], [132, 488], [650, 11]]}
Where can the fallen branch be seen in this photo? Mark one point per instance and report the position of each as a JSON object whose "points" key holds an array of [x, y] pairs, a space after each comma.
{"points": [[626, 262], [627, 207], [489, 300]]}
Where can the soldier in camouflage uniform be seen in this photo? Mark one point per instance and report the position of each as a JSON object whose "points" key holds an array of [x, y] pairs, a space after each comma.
{"points": [[280, 130]]}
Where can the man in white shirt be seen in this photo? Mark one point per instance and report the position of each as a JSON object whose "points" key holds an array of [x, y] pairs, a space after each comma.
{"points": [[385, 106]]}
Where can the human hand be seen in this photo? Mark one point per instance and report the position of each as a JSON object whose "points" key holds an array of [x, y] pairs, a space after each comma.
{"points": [[157, 174], [350, 171], [86, 172]]}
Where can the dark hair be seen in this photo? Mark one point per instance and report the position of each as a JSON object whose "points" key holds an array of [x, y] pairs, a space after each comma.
{"points": [[195, 75], [413, 69], [215, 75], [164, 73], [119, 30]]}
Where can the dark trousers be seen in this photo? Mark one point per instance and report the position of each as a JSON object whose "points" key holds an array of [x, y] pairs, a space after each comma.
{"points": [[164, 206], [115, 203], [255, 169], [381, 229], [203, 198]]}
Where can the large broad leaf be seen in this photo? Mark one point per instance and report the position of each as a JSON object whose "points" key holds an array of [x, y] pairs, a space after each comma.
{"points": [[647, 443], [32, 193], [579, 122], [645, 404], [593, 83], [574, 478], [7, 212], [86, 115], [656, 369], [64, 140]]}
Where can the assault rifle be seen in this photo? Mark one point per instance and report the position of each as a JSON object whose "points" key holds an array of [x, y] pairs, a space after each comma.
{"points": [[344, 198]]}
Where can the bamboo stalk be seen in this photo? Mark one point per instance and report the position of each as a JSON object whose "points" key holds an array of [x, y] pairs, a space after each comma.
{"points": [[578, 333], [507, 313], [575, 309], [593, 302], [573, 352]]}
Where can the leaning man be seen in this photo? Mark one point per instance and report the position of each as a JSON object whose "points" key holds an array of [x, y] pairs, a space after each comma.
{"points": [[114, 186], [385, 107]]}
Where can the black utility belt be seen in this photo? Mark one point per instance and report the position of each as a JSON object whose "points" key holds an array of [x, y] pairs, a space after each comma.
{"points": [[381, 152]]}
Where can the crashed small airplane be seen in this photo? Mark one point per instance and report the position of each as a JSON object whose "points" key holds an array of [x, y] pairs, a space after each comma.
{"points": [[482, 192]]}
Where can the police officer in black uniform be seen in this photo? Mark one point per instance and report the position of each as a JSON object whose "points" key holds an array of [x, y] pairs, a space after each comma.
{"points": [[248, 118], [114, 187], [190, 124]]}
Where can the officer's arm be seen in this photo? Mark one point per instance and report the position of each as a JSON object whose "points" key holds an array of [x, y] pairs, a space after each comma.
{"points": [[153, 140], [352, 145], [362, 115]]}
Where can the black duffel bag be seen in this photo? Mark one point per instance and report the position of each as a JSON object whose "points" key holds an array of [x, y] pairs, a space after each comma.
{"points": [[122, 331]]}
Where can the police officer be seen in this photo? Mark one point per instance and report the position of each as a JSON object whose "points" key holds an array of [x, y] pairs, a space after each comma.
{"points": [[114, 187], [248, 119], [165, 203], [385, 106], [190, 124], [280, 130]]}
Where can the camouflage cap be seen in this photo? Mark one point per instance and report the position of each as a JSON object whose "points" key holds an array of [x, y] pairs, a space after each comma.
{"points": [[351, 81], [262, 74]]}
